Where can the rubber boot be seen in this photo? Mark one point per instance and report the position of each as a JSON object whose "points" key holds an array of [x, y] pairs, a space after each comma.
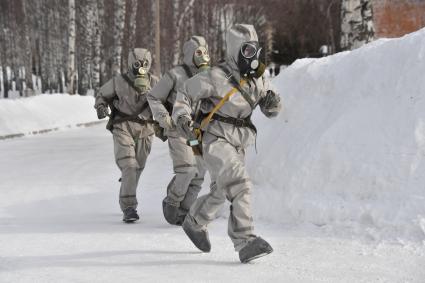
{"points": [[130, 215], [197, 234], [172, 213], [254, 249]]}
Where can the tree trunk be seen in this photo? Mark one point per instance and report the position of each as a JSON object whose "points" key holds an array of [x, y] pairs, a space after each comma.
{"points": [[97, 43], [368, 29], [356, 23], [119, 22], [101, 38], [157, 39], [132, 24], [86, 46], [176, 27], [29, 88], [5, 83], [330, 26], [71, 48]]}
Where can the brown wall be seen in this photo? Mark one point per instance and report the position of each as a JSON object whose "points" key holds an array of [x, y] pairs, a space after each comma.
{"points": [[395, 18]]}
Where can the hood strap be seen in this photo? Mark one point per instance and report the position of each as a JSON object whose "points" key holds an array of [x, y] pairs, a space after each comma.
{"points": [[237, 85], [131, 83], [187, 70]]}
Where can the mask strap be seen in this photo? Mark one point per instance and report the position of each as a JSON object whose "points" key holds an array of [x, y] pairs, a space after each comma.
{"points": [[196, 40], [134, 55]]}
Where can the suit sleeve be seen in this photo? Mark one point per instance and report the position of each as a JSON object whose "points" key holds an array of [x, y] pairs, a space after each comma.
{"points": [[192, 91], [157, 98], [106, 94]]}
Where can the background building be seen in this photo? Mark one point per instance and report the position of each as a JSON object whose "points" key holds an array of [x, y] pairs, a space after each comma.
{"points": [[395, 18]]}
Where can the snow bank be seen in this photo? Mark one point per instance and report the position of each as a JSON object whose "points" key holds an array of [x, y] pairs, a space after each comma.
{"points": [[46, 111], [349, 150]]}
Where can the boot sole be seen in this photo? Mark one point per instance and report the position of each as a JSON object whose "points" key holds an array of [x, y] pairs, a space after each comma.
{"points": [[131, 220], [257, 256]]}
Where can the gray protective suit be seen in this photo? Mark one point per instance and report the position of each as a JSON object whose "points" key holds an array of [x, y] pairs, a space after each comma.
{"points": [[189, 170], [132, 137], [224, 144]]}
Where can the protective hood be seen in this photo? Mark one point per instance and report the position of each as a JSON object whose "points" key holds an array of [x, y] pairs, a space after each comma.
{"points": [[138, 54], [190, 47], [235, 36]]}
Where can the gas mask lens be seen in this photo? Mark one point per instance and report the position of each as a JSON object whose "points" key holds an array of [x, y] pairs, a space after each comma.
{"points": [[248, 50], [137, 65], [140, 64]]}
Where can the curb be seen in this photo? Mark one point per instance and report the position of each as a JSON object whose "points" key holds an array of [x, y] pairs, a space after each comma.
{"points": [[45, 131]]}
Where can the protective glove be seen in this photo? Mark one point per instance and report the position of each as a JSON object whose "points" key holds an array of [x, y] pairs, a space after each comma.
{"points": [[159, 132], [102, 111], [185, 127], [270, 101]]}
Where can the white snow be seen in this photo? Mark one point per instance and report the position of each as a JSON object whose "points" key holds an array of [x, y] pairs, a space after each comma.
{"points": [[47, 111], [339, 185], [60, 222], [349, 151]]}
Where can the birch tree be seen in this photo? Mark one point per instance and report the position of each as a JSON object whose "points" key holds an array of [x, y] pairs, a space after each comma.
{"points": [[368, 26], [81, 44], [132, 24], [176, 34], [29, 88], [4, 46], [86, 46], [97, 43], [157, 56], [119, 22], [356, 23], [179, 18], [71, 48]]}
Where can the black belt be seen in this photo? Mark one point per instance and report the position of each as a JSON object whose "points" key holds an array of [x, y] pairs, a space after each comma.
{"points": [[135, 119], [237, 122]]}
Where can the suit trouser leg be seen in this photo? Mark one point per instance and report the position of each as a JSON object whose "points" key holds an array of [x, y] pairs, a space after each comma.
{"points": [[185, 169], [195, 185], [130, 157], [230, 180]]}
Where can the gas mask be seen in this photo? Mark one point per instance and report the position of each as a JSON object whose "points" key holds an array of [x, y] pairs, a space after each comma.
{"points": [[201, 59], [249, 63], [140, 70]]}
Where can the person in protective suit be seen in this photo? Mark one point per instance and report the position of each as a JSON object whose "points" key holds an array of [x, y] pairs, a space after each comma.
{"points": [[189, 170], [228, 94], [131, 124]]}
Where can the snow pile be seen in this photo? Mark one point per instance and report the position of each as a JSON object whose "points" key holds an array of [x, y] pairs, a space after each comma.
{"points": [[349, 151], [46, 111]]}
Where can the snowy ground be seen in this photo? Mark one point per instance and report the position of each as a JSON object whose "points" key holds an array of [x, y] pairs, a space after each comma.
{"points": [[60, 222], [44, 112], [349, 149]]}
